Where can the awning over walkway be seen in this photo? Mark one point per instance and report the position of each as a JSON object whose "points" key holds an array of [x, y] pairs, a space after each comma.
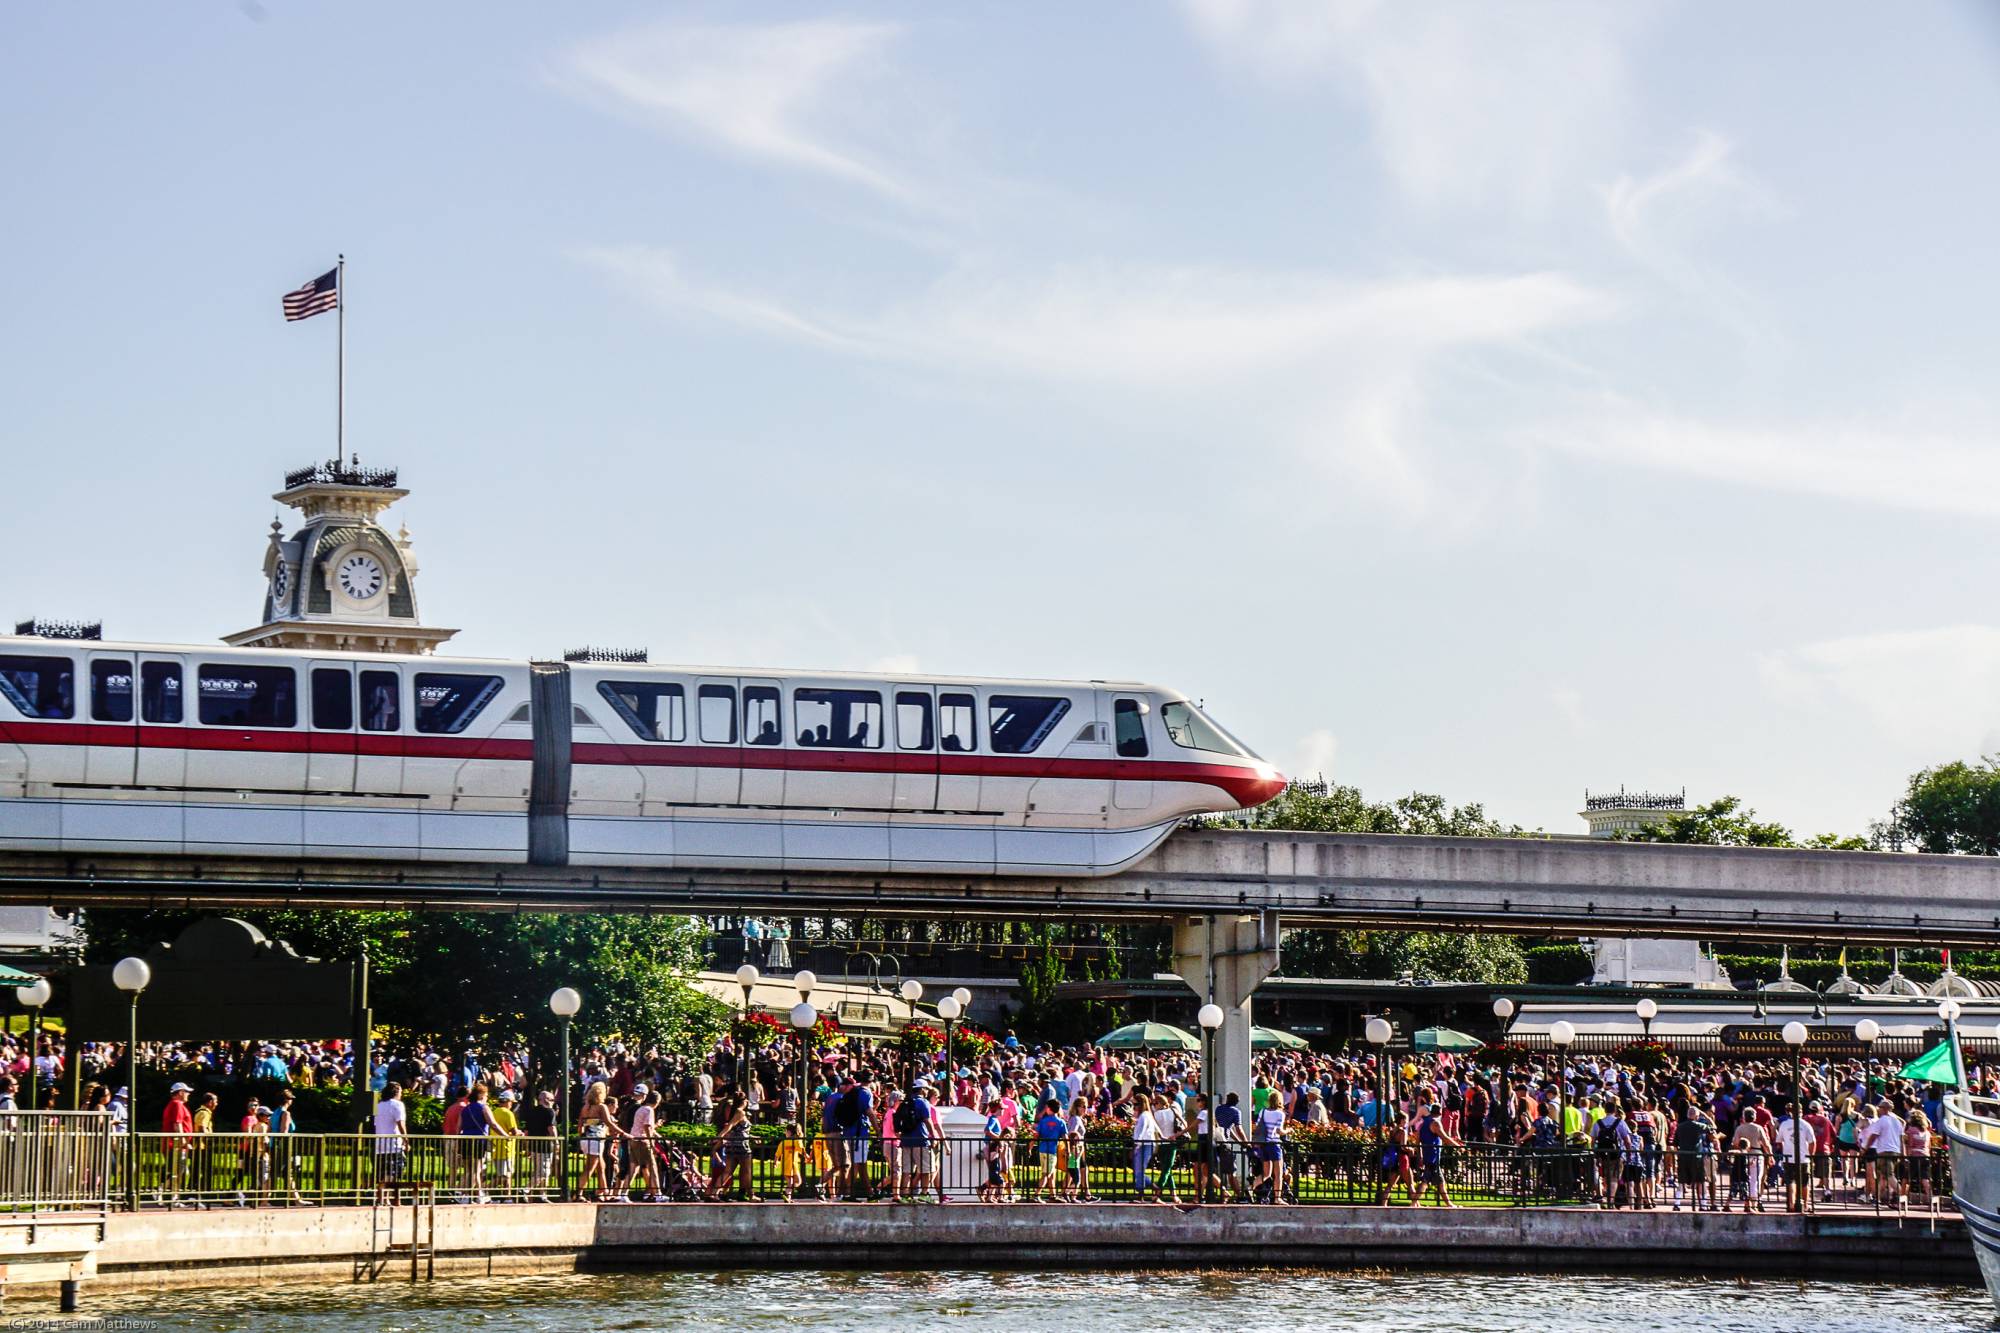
{"points": [[859, 1009]]}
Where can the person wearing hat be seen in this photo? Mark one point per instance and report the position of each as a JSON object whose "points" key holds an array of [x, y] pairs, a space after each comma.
{"points": [[537, 1120], [917, 1130], [177, 1129], [506, 1128]]}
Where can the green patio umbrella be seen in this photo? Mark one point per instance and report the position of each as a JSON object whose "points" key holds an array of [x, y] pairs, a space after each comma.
{"points": [[14, 976], [1268, 1039], [1149, 1037], [1446, 1039]]}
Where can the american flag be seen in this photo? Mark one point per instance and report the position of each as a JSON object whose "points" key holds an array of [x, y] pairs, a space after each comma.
{"points": [[316, 297]]}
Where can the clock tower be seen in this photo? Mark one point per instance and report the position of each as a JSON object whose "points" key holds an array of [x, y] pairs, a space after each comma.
{"points": [[340, 583]]}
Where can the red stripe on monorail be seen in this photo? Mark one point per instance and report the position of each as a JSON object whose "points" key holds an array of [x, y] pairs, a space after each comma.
{"points": [[1246, 786], [251, 740]]}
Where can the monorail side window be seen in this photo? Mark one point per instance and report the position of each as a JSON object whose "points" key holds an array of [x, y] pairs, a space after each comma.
{"points": [[39, 686], [1130, 722], [1019, 722], [913, 720], [838, 719], [233, 695], [655, 712], [332, 699], [110, 690], [717, 704], [958, 723], [447, 701], [382, 702], [160, 691], [761, 723]]}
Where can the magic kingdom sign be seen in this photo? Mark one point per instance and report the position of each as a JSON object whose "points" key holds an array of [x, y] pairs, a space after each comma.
{"points": [[1769, 1039]]}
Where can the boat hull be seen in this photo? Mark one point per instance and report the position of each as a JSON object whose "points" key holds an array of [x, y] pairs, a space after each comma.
{"points": [[1973, 1131]]}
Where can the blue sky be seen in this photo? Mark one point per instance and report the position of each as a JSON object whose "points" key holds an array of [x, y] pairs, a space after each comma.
{"points": [[1497, 400]]}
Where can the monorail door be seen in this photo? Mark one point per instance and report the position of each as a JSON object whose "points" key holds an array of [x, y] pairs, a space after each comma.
{"points": [[114, 722], [916, 748], [162, 758], [330, 749]]}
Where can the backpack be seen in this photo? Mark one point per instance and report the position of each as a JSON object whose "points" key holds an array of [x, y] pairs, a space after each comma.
{"points": [[906, 1118], [847, 1111], [1605, 1138]]}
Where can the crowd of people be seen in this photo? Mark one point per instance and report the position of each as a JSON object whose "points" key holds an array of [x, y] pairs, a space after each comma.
{"points": [[870, 1120]]}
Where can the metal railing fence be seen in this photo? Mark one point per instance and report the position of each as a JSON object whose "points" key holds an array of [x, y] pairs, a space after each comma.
{"points": [[55, 1161], [75, 1169], [257, 1170]]}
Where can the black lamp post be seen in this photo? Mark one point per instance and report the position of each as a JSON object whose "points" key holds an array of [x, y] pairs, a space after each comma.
{"points": [[132, 976], [1795, 1037], [1378, 1033], [564, 1004], [34, 995], [803, 1018], [911, 990], [948, 1009], [1208, 1018], [803, 982], [1561, 1034], [746, 977], [1503, 1009]]}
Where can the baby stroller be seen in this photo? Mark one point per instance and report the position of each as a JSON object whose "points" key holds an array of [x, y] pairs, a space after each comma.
{"points": [[680, 1180]]}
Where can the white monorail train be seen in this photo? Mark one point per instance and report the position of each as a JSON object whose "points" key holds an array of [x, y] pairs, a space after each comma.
{"points": [[108, 747]]}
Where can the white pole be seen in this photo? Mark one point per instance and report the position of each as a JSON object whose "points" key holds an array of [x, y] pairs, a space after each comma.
{"points": [[340, 362]]}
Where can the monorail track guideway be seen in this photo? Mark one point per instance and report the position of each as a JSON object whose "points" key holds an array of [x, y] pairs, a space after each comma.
{"points": [[1511, 885]]}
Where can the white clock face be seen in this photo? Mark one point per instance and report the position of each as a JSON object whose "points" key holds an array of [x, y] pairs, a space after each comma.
{"points": [[360, 577], [281, 585]]}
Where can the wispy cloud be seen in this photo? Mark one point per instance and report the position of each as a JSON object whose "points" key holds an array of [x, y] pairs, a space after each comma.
{"points": [[1150, 328], [1906, 465], [1468, 103], [1659, 218], [1936, 691], [764, 92], [1331, 371]]}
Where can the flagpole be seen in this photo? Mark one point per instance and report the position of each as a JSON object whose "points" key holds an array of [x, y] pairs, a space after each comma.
{"points": [[340, 362]]}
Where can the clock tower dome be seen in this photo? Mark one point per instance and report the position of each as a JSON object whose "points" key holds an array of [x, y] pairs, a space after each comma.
{"points": [[340, 583]]}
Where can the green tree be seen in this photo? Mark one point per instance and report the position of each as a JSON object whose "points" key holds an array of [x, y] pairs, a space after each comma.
{"points": [[1954, 807], [1424, 954], [1726, 822], [1428, 955], [485, 977], [1340, 809]]}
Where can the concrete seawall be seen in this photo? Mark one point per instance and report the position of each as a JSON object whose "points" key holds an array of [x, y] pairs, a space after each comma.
{"points": [[160, 1251]]}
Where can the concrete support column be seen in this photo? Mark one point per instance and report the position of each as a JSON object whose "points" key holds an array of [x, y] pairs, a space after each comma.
{"points": [[1223, 959]]}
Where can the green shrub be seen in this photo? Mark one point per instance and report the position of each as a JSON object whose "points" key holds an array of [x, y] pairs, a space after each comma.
{"points": [[1558, 964]]}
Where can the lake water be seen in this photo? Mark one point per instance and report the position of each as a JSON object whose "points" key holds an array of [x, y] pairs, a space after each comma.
{"points": [[1102, 1302]]}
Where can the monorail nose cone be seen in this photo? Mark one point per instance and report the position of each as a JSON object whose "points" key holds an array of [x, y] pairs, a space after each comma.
{"points": [[1265, 784]]}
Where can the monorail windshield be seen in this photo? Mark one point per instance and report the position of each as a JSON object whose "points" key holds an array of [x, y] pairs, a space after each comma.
{"points": [[1191, 729]]}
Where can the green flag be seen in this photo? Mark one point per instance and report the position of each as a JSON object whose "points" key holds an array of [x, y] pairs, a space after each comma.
{"points": [[1933, 1066]]}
